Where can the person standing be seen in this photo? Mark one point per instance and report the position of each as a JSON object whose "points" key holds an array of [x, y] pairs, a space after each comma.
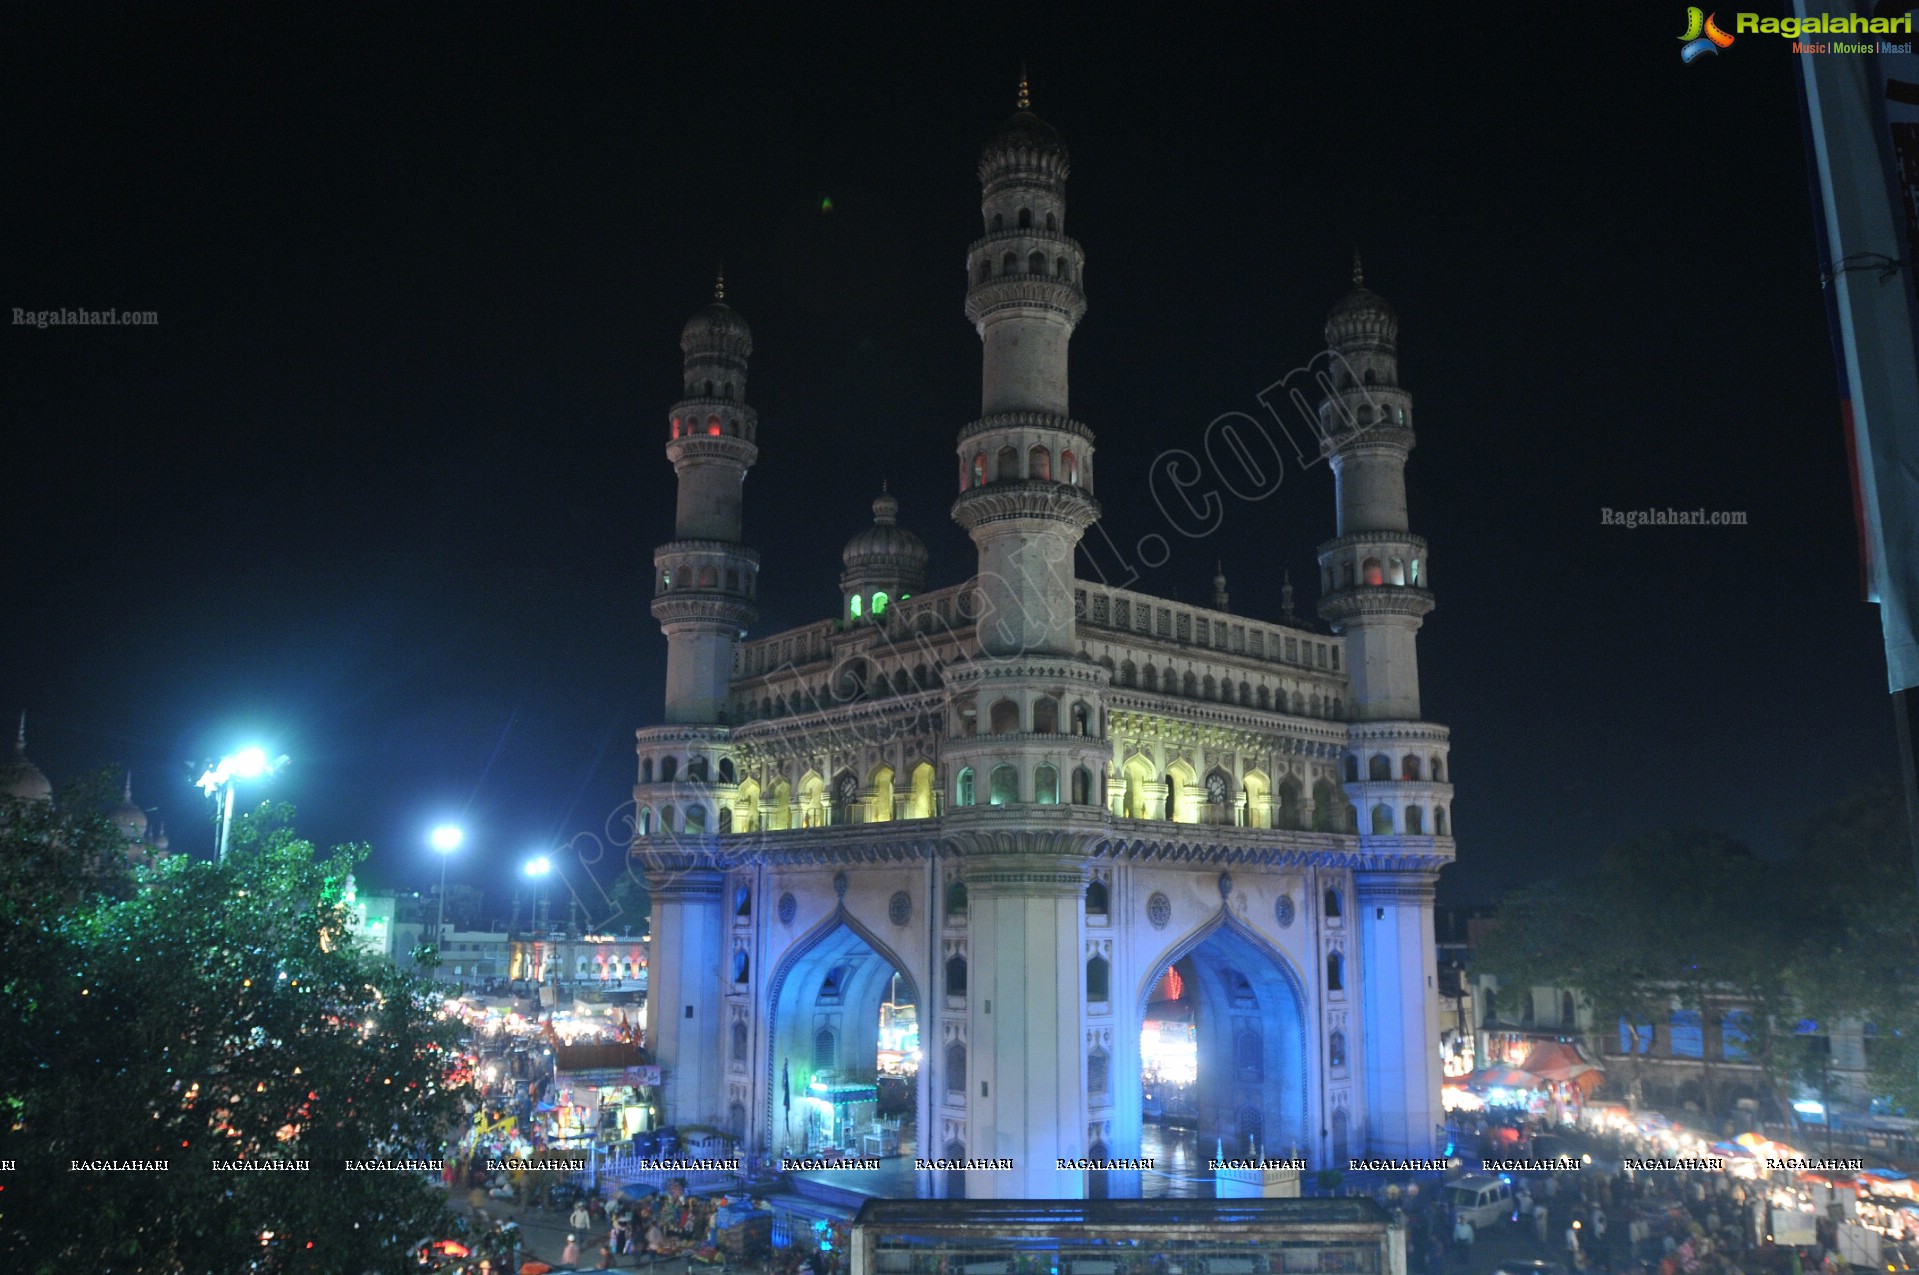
{"points": [[1539, 1222], [570, 1255], [1463, 1237]]}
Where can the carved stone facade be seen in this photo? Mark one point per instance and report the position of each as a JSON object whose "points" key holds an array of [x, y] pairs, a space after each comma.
{"points": [[1022, 799]]}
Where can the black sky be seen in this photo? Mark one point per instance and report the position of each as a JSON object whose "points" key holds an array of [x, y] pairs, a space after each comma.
{"points": [[383, 485]]}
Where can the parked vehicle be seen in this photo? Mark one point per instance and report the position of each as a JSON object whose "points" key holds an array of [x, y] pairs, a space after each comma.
{"points": [[1482, 1200]]}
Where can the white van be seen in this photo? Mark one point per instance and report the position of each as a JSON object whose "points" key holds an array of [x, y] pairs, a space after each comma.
{"points": [[1483, 1201]]}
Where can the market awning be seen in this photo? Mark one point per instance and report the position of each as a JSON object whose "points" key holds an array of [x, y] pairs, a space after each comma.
{"points": [[1503, 1077]]}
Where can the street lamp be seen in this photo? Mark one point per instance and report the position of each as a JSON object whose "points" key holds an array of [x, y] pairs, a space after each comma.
{"points": [[446, 839], [248, 763], [538, 867]]}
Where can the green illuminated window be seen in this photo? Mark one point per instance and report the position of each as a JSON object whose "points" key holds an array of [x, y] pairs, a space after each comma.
{"points": [[856, 606], [879, 605]]}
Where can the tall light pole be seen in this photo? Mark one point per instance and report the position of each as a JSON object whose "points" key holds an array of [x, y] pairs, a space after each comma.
{"points": [[446, 839], [218, 781], [538, 867]]}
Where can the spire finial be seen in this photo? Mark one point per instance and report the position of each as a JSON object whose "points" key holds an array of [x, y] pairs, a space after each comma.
{"points": [[719, 283], [127, 791], [1359, 276], [20, 740], [1286, 595], [882, 486], [1025, 93]]}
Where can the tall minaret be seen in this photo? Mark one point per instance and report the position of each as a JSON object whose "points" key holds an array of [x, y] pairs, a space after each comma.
{"points": [[704, 586], [1026, 496], [704, 579], [1026, 468], [1375, 579]]}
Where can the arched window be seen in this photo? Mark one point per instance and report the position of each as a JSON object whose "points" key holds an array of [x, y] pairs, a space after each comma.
{"points": [[739, 1042], [1006, 465], [1264, 699], [743, 900], [1069, 465], [1003, 718], [1209, 689], [1060, 268], [1380, 767], [669, 819], [1052, 221], [979, 469], [1009, 264], [956, 1068], [1439, 821], [1046, 786], [1248, 1055], [1299, 704], [1352, 769], [1245, 695], [1082, 718], [999, 221], [1082, 786], [1415, 821], [742, 967], [1335, 972], [963, 788], [645, 822], [1150, 678], [1189, 685], [1336, 1049], [1568, 1012], [985, 269], [1096, 978], [696, 819], [1039, 463], [1409, 767], [1098, 1071], [1036, 263], [826, 1050], [956, 899], [669, 769], [1382, 820], [1096, 898], [646, 770], [1333, 904], [727, 773], [1439, 770], [1004, 790], [696, 769], [1371, 572], [1368, 377], [956, 976], [1026, 219]]}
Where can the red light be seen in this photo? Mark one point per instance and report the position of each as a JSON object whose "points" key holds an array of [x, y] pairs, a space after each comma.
{"points": [[714, 429]]}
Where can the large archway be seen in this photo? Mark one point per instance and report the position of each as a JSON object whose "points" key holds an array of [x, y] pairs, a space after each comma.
{"points": [[1223, 1045], [843, 1047]]}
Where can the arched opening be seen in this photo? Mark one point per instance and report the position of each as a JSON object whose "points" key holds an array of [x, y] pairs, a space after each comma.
{"points": [[1004, 788], [1098, 974], [1082, 718], [696, 769], [1143, 791], [1096, 898], [1335, 972], [1052, 221], [919, 800], [845, 1051], [881, 809], [1259, 809], [727, 773], [1182, 793], [812, 801], [1039, 463], [646, 770], [1336, 1049], [955, 1153], [725, 819], [1082, 786], [1009, 264], [1224, 1034], [1128, 674], [746, 808], [644, 823], [1006, 465], [985, 270], [669, 768], [1068, 464], [1371, 572], [956, 1069], [1046, 786], [738, 1051], [1415, 822], [1265, 700], [956, 901], [956, 976], [1003, 718], [1380, 767], [1325, 814], [979, 469], [1189, 685], [1439, 822], [1333, 909], [742, 967], [1382, 820], [1150, 678], [696, 819], [1289, 809], [1439, 770], [963, 794], [1409, 768], [999, 221], [1026, 219]]}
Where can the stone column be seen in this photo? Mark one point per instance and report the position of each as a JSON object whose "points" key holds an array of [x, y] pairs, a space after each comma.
{"points": [[683, 992], [1400, 1009], [1025, 1005]]}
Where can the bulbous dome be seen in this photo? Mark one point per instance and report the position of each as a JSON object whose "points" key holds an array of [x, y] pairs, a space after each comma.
{"points": [[1361, 317], [886, 544], [1024, 136], [717, 321], [19, 777], [129, 818]]}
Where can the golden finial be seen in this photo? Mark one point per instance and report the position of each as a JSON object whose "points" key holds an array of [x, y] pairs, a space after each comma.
{"points": [[1359, 276], [719, 283], [1025, 94]]}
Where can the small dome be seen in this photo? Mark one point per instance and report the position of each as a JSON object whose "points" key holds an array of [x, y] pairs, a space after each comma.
{"points": [[20, 779], [716, 320], [1024, 142], [886, 543], [160, 842], [1362, 316], [129, 818]]}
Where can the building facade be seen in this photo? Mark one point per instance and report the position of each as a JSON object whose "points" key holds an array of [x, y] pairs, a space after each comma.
{"points": [[1020, 799]]}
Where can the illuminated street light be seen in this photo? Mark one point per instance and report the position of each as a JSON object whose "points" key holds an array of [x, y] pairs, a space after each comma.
{"points": [[249, 763], [446, 839]]}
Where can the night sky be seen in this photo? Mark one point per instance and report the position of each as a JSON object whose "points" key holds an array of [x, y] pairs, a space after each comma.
{"points": [[382, 487]]}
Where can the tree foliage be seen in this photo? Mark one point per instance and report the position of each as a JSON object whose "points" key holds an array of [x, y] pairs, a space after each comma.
{"points": [[1690, 920], [195, 1013]]}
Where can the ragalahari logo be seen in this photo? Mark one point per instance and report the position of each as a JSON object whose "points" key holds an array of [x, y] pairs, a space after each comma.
{"points": [[1702, 36]]}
